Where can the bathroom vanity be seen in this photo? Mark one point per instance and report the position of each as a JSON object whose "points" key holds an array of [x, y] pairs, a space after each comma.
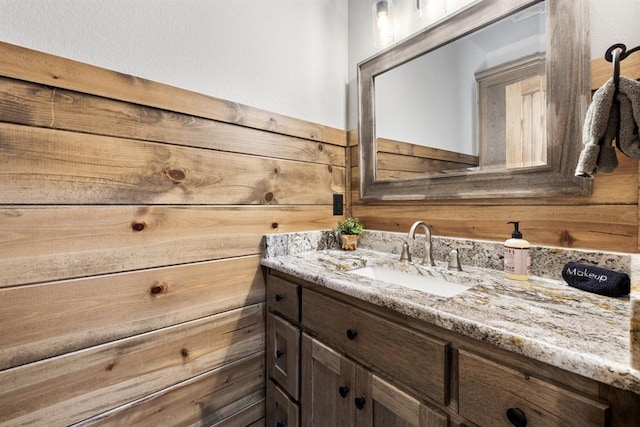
{"points": [[343, 349]]}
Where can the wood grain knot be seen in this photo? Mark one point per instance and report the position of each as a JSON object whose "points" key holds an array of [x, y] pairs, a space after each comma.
{"points": [[111, 366], [268, 197], [330, 168], [184, 352], [138, 226], [157, 289], [177, 174], [320, 147], [566, 239], [274, 225]]}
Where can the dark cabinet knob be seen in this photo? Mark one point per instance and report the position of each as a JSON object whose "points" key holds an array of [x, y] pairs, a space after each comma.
{"points": [[279, 297], [517, 417], [344, 391], [360, 401], [279, 354], [352, 334]]}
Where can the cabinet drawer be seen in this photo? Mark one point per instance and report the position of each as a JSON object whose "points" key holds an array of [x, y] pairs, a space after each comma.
{"points": [[488, 390], [410, 357], [283, 297], [283, 354], [281, 411]]}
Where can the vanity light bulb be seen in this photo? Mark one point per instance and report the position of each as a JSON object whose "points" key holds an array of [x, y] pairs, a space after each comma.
{"points": [[382, 23]]}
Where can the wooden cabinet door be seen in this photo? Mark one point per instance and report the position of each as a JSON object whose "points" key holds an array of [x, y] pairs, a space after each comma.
{"points": [[328, 389], [387, 406], [283, 354], [281, 411]]}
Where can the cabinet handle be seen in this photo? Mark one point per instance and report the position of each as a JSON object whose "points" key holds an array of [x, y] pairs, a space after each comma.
{"points": [[280, 424], [344, 391], [352, 334], [517, 417], [360, 401], [279, 297], [279, 354]]}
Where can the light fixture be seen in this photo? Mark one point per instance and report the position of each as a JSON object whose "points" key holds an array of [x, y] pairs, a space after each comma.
{"points": [[382, 23], [430, 11]]}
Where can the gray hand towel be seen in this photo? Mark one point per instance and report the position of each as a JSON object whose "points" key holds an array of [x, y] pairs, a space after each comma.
{"points": [[629, 99], [598, 133]]}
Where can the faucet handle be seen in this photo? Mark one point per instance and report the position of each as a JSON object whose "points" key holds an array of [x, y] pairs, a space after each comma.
{"points": [[454, 260], [405, 255]]}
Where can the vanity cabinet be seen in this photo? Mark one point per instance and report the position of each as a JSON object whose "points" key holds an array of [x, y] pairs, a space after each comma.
{"points": [[408, 356], [283, 353], [520, 399], [340, 392], [333, 360]]}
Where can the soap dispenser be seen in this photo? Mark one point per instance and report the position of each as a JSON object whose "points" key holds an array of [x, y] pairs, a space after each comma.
{"points": [[517, 255]]}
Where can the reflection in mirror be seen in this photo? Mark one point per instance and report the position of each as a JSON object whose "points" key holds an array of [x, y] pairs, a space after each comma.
{"points": [[476, 101], [486, 103]]}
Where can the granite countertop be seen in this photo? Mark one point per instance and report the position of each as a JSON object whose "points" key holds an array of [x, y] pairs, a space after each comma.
{"points": [[541, 318]]}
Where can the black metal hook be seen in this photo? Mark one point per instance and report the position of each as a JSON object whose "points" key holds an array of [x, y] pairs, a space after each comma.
{"points": [[615, 54], [615, 59], [623, 51]]}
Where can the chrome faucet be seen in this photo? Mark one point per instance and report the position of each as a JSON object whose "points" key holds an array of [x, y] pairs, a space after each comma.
{"points": [[428, 256]]}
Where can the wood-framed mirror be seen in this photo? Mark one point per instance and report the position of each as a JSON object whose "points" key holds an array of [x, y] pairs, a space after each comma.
{"points": [[551, 83]]}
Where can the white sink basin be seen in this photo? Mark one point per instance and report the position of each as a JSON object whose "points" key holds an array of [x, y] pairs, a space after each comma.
{"points": [[432, 285]]}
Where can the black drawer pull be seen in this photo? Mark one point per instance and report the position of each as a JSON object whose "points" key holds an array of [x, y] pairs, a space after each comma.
{"points": [[344, 391], [360, 401], [279, 354], [279, 297], [517, 417], [352, 334]]}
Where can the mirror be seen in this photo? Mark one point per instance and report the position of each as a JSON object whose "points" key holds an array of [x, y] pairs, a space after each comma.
{"points": [[440, 118]]}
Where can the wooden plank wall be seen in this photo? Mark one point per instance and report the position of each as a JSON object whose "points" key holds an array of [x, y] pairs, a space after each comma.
{"points": [[399, 159], [132, 216], [607, 220]]}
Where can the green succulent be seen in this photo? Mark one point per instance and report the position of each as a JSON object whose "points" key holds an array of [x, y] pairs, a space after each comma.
{"points": [[350, 226]]}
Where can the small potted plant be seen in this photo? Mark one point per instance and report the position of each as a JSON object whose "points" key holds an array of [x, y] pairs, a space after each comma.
{"points": [[350, 230]]}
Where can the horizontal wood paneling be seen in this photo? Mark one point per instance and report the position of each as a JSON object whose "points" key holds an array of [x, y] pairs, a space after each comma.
{"points": [[46, 320], [251, 416], [75, 241], [38, 67], [43, 166], [74, 386], [407, 149], [605, 227], [203, 400], [132, 220], [50, 107]]}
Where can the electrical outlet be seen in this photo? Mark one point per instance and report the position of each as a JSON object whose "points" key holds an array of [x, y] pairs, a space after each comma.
{"points": [[338, 204]]}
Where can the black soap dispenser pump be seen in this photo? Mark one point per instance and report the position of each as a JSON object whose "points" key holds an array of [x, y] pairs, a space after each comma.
{"points": [[517, 255]]}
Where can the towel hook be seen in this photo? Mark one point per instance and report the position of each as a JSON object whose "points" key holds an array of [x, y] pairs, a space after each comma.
{"points": [[614, 55], [623, 51]]}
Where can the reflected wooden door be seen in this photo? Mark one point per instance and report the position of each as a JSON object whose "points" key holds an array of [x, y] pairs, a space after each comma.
{"points": [[526, 134]]}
